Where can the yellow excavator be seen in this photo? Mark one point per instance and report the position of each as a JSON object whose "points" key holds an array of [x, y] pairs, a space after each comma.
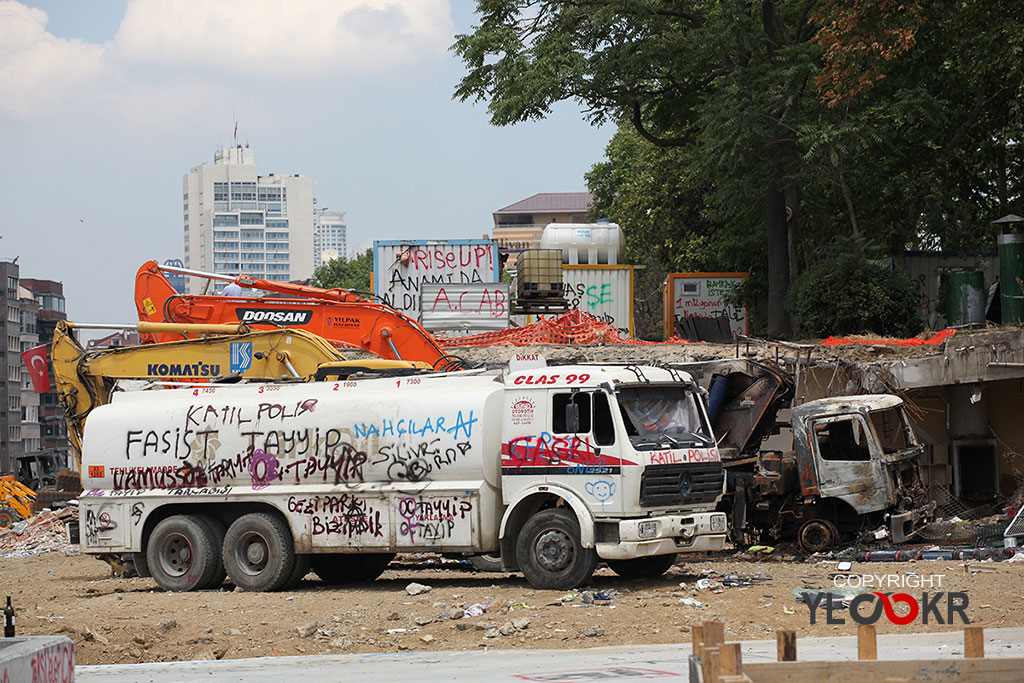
{"points": [[218, 353], [15, 501]]}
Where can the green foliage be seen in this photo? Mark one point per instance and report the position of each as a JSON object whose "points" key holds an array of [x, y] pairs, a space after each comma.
{"points": [[342, 273], [846, 293]]}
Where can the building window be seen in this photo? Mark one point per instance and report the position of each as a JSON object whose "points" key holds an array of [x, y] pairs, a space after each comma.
{"points": [[277, 223], [252, 219], [220, 192], [226, 220]]}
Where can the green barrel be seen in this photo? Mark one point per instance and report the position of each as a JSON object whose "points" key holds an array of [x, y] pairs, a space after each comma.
{"points": [[1011, 277], [965, 297]]}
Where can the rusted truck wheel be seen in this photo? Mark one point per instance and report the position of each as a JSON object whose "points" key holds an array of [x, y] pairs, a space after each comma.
{"points": [[817, 535]]}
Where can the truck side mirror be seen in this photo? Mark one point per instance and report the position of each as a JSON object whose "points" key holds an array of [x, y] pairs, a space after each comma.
{"points": [[572, 417]]}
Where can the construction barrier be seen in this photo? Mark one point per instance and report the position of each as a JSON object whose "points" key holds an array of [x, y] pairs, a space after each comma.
{"points": [[572, 327], [934, 340]]}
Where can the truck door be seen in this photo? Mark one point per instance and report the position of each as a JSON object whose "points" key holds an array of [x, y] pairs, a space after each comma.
{"points": [[847, 462], [585, 449]]}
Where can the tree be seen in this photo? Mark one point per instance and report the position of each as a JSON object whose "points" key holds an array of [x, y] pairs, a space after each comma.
{"points": [[353, 274], [727, 80]]}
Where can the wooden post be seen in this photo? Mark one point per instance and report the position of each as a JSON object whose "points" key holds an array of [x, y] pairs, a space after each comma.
{"points": [[713, 664], [974, 642], [731, 659], [697, 635], [714, 633], [786, 641], [867, 646]]}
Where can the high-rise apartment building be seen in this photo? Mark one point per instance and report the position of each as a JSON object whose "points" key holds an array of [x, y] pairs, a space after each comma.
{"points": [[329, 240], [10, 367], [49, 295], [30, 426], [238, 222]]}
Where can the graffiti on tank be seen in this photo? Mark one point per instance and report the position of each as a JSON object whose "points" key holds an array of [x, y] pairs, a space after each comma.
{"points": [[461, 424], [263, 468], [96, 523], [342, 515], [431, 520]]}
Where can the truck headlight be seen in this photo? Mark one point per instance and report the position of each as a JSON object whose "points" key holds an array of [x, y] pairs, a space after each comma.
{"points": [[648, 529], [718, 523]]}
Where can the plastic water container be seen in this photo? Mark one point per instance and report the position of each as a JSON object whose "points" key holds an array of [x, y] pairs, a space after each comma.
{"points": [[599, 243]]}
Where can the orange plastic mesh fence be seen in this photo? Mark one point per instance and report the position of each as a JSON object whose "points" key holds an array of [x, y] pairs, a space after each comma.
{"points": [[573, 327], [934, 340]]}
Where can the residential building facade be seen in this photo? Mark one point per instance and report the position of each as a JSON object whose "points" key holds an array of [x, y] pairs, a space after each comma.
{"points": [[10, 366], [238, 222], [329, 238], [31, 429], [49, 295], [518, 226]]}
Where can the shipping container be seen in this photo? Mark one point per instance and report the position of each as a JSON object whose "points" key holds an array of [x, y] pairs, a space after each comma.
{"points": [[401, 268], [701, 297], [479, 307]]}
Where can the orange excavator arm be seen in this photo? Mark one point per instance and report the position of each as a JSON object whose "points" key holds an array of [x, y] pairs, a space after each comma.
{"points": [[337, 315]]}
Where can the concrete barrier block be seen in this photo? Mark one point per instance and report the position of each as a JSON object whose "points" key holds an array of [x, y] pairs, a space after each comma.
{"points": [[42, 659]]}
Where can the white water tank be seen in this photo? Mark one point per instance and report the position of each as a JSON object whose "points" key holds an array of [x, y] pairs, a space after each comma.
{"points": [[591, 244]]}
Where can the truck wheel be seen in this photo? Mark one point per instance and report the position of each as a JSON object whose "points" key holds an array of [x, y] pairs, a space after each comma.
{"points": [[181, 554], [643, 567], [258, 552], [490, 562], [218, 531], [550, 553], [8, 518], [302, 564], [817, 535], [141, 565], [338, 569]]}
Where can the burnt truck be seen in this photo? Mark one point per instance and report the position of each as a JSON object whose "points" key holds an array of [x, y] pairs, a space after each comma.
{"points": [[853, 466]]}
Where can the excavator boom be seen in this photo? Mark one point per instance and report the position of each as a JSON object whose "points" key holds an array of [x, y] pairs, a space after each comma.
{"points": [[334, 314], [86, 378]]}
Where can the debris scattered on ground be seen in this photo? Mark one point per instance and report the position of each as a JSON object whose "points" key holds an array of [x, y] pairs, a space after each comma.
{"points": [[474, 610], [416, 588], [39, 534]]}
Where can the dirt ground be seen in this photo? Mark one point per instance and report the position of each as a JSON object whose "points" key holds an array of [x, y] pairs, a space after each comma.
{"points": [[115, 620]]}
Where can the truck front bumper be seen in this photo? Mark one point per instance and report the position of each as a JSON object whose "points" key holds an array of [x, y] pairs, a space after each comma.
{"points": [[663, 535], [905, 524]]}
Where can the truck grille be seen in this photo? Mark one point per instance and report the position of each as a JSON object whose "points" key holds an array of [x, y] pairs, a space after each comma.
{"points": [[680, 484]]}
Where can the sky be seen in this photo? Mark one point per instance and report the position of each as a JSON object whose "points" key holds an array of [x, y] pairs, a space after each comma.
{"points": [[105, 104]]}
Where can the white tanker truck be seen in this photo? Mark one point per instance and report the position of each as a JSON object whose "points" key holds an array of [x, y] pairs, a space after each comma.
{"points": [[551, 468]]}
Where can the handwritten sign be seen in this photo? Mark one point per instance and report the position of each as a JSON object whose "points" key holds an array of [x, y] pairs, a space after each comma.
{"points": [[704, 295]]}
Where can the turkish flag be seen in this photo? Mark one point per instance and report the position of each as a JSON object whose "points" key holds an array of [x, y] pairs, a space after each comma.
{"points": [[35, 361]]}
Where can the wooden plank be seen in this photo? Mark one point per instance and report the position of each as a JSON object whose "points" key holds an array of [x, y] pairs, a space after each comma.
{"points": [[786, 641], [731, 659], [714, 664], [697, 635], [867, 643], [933, 670], [714, 633], [974, 642]]}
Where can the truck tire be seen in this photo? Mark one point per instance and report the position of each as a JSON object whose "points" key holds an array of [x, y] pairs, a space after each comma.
{"points": [[490, 562], [181, 553], [643, 567], [8, 518], [141, 565], [550, 553], [338, 569], [302, 564], [219, 531], [258, 552]]}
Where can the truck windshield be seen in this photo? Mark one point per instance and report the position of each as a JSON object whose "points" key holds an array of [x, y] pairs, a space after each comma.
{"points": [[892, 429], [660, 416]]}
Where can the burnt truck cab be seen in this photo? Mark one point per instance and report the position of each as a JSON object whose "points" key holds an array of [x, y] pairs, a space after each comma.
{"points": [[857, 458], [854, 465]]}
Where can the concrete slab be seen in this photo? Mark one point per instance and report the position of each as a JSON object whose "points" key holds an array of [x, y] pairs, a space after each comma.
{"points": [[551, 666], [37, 658]]}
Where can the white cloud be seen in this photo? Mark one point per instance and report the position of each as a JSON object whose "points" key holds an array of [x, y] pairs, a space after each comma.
{"points": [[296, 39], [37, 68], [190, 47]]}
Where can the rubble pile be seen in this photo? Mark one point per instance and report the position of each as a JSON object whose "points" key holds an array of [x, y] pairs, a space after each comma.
{"points": [[39, 534]]}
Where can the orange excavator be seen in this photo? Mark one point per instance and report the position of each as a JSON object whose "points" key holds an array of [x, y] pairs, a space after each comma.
{"points": [[340, 316]]}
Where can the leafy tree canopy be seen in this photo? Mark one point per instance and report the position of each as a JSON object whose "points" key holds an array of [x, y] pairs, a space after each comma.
{"points": [[343, 273]]}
